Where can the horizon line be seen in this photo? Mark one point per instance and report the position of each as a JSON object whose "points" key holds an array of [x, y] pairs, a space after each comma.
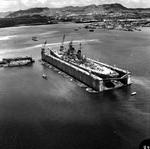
{"points": [[76, 6]]}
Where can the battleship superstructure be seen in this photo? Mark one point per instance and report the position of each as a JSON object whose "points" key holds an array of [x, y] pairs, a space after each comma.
{"points": [[94, 74]]}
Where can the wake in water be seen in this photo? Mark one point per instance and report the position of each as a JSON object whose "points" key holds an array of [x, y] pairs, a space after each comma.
{"points": [[48, 33], [142, 81], [49, 45], [7, 37], [74, 41], [90, 90]]}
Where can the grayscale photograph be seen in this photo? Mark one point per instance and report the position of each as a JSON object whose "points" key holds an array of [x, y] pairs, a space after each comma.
{"points": [[74, 74]]}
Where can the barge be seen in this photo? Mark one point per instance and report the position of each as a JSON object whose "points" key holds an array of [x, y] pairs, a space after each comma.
{"points": [[96, 75], [16, 62]]}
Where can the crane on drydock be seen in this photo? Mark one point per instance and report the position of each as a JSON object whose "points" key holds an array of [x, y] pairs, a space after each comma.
{"points": [[43, 47], [62, 43], [44, 44]]}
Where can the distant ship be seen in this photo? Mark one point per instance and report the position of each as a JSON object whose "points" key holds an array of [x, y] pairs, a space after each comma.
{"points": [[34, 38], [94, 74]]}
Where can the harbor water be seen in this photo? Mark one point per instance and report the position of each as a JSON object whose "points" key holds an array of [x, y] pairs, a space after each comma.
{"points": [[61, 112]]}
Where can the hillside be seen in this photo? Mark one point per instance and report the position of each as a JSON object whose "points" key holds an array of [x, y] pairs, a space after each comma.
{"points": [[4, 14], [90, 9], [75, 10], [76, 14]]}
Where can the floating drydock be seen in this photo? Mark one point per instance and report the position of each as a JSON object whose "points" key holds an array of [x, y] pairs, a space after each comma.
{"points": [[15, 62], [108, 78]]}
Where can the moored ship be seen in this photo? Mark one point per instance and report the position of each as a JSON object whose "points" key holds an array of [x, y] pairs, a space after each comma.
{"points": [[94, 74], [16, 62]]}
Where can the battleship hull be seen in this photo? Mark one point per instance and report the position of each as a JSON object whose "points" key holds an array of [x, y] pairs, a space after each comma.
{"points": [[90, 79]]}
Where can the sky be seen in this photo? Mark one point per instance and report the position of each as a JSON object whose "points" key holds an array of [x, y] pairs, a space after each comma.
{"points": [[13, 5]]}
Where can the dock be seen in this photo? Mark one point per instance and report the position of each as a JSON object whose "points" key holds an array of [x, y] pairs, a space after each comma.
{"points": [[92, 80]]}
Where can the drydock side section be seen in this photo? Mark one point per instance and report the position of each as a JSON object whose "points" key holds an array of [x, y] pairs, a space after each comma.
{"points": [[86, 77], [77, 73], [125, 76]]}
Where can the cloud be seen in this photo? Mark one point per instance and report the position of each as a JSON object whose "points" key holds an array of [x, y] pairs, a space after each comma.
{"points": [[11, 5], [6, 4], [33, 2]]}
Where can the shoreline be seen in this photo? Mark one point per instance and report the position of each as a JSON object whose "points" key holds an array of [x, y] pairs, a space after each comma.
{"points": [[78, 24]]}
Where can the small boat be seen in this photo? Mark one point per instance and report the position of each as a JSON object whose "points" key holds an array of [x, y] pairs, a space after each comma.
{"points": [[133, 93], [44, 76], [91, 30], [76, 29], [138, 29], [2, 63], [34, 39]]}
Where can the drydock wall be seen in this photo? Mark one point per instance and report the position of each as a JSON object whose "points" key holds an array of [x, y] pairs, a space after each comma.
{"points": [[89, 79], [125, 76]]}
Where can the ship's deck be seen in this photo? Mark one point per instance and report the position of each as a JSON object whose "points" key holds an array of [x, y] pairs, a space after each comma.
{"points": [[89, 65]]}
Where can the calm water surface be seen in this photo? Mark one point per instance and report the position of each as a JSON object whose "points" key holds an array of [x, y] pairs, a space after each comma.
{"points": [[58, 113]]}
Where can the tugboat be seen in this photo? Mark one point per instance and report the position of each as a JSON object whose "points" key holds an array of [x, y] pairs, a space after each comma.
{"points": [[95, 74], [44, 76], [133, 93]]}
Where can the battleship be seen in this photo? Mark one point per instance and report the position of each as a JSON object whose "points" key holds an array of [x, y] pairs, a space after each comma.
{"points": [[97, 75]]}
